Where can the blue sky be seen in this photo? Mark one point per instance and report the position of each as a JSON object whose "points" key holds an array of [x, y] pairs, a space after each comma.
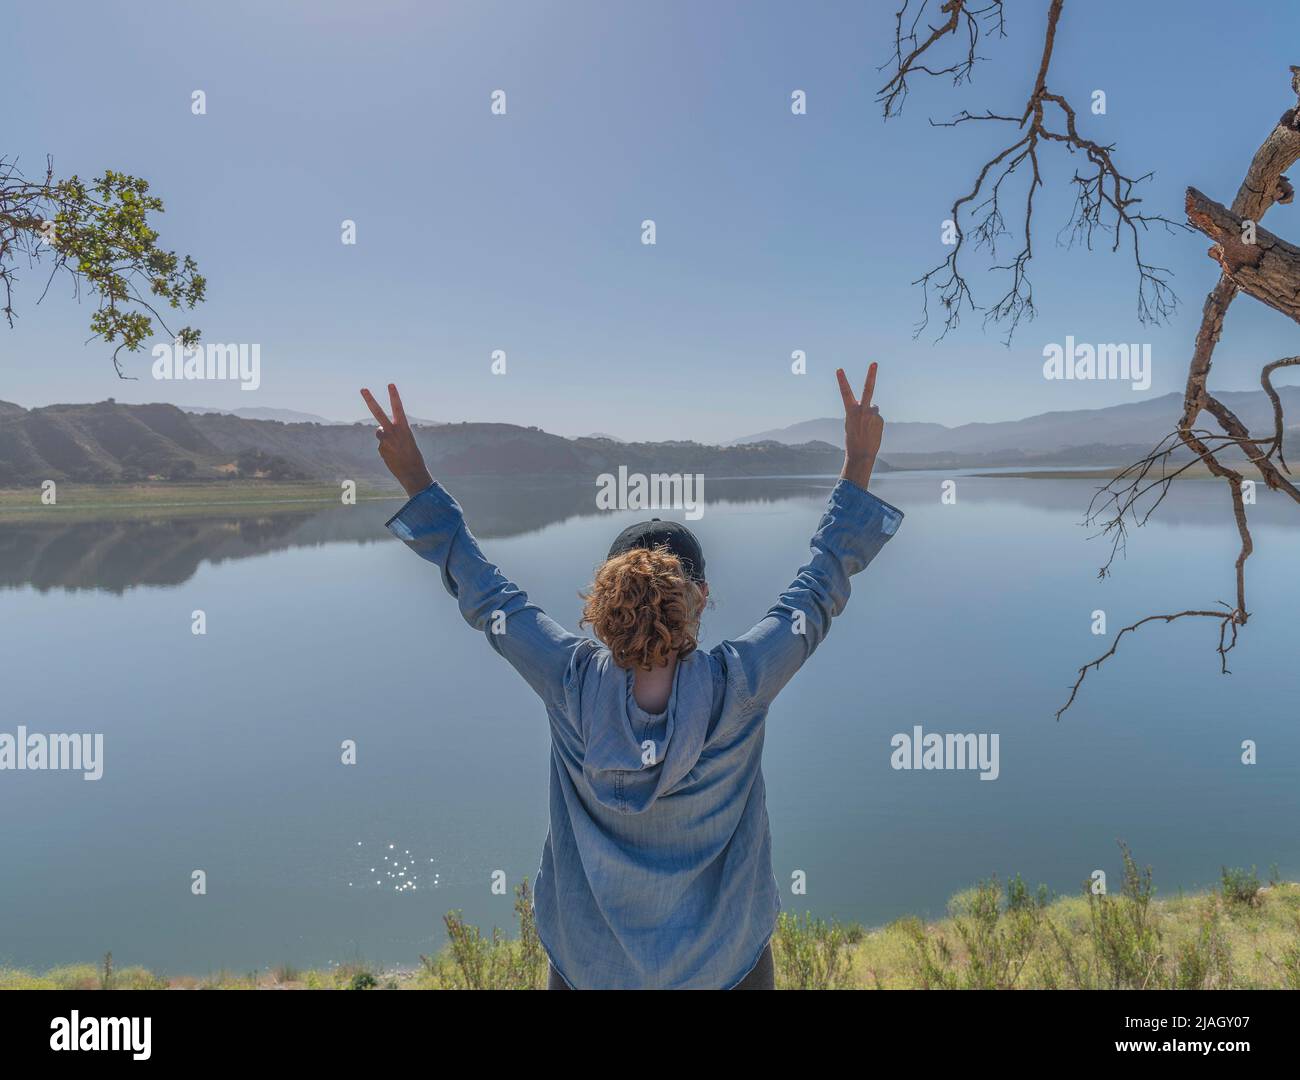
{"points": [[477, 232]]}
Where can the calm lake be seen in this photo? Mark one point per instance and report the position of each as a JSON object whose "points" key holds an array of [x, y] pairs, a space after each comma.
{"points": [[222, 751]]}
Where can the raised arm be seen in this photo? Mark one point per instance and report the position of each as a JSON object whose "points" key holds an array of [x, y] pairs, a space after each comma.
{"points": [[433, 525], [855, 527]]}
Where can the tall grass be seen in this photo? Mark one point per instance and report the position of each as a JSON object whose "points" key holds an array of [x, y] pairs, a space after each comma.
{"points": [[1117, 942], [472, 961]]}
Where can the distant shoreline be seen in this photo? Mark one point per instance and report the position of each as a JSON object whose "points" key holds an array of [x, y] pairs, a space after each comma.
{"points": [[81, 500], [1192, 472], [92, 500]]}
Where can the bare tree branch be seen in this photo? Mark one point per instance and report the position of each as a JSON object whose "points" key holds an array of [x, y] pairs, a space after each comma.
{"points": [[1265, 378], [961, 16], [1226, 623], [1105, 199], [1268, 270]]}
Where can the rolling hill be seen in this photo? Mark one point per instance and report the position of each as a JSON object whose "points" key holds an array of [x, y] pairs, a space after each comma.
{"points": [[108, 442]]}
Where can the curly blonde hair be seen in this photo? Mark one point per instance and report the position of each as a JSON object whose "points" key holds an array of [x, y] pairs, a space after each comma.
{"points": [[645, 607]]}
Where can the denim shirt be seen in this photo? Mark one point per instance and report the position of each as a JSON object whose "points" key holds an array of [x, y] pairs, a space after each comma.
{"points": [[657, 869]]}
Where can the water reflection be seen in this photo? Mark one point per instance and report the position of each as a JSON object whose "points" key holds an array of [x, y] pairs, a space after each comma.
{"points": [[117, 552]]}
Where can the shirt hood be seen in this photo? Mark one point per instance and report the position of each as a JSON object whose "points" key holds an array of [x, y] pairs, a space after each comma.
{"points": [[632, 757]]}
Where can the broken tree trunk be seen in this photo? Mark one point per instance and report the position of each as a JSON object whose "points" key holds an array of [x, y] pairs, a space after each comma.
{"points": [[1262, 186], [1268, 268]]}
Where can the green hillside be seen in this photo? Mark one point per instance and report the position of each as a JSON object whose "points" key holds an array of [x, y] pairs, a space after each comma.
{"points": [[108, 442]]}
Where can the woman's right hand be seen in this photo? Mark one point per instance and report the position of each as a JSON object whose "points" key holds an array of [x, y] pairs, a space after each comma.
{"points": [[397, 443], [863, 429]]}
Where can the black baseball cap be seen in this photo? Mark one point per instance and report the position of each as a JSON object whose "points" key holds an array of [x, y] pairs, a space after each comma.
{"points": [[676, 538]]}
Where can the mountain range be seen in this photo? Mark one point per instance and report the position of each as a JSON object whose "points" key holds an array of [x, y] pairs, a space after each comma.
{"points": [[111, 442], [286, 416], [1116, 435]]}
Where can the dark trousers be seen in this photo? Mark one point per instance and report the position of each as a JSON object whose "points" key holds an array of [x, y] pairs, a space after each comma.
{"points": [[763, 977]]}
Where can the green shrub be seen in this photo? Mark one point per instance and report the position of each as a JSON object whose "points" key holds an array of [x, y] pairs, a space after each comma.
{"points": [[1125, 938], [1240, 886], [286, 973], [473, 961], [932, 961], [1289, 964], [997, 935], [1204, 962], [810, 954]]}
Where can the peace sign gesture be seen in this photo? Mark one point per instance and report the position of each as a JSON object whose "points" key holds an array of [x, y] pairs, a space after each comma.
{"points": [[397, 443], [863, 428]]}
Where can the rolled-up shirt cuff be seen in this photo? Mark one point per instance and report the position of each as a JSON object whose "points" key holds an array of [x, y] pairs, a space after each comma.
{"points": [[864, 504], [422, 512]]}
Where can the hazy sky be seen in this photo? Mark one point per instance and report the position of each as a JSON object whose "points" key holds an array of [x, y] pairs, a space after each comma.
{"points": [[521, 232]]}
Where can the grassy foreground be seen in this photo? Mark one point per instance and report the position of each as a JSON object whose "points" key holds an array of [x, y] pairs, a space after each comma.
{"points": [[1239, 936]]}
